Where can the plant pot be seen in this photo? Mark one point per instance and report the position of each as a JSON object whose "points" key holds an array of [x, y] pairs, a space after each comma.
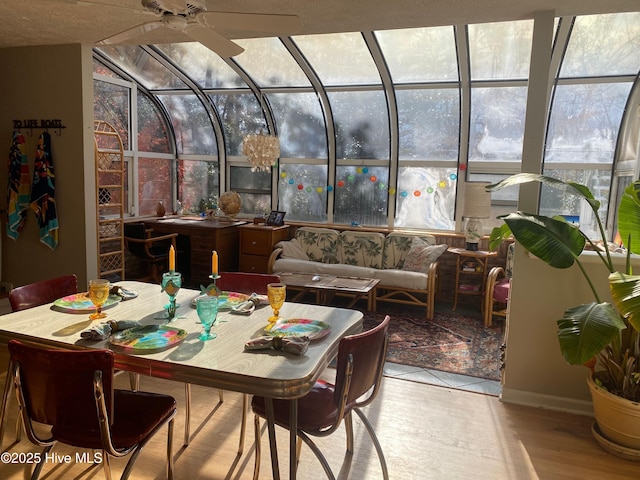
{"points": [[618, 418]]}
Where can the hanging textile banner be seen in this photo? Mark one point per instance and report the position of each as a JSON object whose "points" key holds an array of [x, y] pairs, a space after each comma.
{"points": [[18, 193], [43, 192]]}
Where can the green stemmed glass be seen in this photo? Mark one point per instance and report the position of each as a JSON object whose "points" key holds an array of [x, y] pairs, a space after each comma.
{"points": [[207, 308], [171, 283]]}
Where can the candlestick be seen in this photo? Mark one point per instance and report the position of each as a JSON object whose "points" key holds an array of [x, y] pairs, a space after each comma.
{"points": [[172, 259], [214, 263]]}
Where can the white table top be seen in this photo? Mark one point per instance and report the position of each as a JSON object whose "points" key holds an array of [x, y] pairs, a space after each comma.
{"points": [[219, 363]]}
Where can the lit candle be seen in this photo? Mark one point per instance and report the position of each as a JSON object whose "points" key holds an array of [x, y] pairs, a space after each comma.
{"points": [[172, 258], [214, 263]]}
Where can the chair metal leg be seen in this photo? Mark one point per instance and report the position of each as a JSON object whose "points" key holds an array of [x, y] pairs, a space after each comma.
{"points": [[271, 426], [316, 451], [348, 427], [106, 465], [170, 450], [18, 430], [134, 381], [136, 451], [245, 406], [6, 399], [187, 420], [187, 414], [256, 433], [43, 457], [376, 443]]}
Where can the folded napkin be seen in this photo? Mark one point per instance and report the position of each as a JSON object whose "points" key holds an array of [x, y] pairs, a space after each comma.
{"points": [[104, 330], [297, 345], [247, 308], [123, 293]]}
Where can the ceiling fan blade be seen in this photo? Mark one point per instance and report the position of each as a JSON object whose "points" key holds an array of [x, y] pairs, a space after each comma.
{"points": [[256, 22], [213, 41], [130, 33], [104, 3]]}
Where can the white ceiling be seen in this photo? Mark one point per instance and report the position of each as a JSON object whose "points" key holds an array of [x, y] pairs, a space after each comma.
{"points": [[52, 22]]}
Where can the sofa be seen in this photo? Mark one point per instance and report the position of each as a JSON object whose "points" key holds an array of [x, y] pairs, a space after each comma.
{"points": [[405, 263]]}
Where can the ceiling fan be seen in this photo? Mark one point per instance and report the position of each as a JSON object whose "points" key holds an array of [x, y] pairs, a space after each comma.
{"points": [[192, 18]]}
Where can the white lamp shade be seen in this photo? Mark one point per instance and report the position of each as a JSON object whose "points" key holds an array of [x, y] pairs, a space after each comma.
{"points": [[477, 201]]}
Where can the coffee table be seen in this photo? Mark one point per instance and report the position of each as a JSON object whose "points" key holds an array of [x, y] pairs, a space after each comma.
{"points": [[327, 286]]}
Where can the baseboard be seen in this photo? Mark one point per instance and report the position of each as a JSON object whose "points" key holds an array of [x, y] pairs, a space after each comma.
{"points": [[549, 402]]}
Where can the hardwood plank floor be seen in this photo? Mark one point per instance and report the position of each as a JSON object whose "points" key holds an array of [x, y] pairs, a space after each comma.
{"points": [[426, 432]]}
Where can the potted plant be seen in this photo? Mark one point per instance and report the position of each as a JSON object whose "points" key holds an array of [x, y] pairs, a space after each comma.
{"points": [[603, 336]]}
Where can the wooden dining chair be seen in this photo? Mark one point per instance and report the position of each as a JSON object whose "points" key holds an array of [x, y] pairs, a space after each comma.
{"points": [[359, 370], [42, 292], [239, 282], [150, 249], [72, 392]]}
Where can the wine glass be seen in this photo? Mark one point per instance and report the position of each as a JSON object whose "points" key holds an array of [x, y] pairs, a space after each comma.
{"points": [[98, 294], [207, 308], [276, 293], [171, 283]]}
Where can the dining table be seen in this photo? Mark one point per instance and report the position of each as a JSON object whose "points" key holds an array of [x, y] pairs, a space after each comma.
{"points": [[221, 363]]}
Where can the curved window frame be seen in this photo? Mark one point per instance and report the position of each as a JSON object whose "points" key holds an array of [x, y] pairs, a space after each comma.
{"points": [[441, 173]]}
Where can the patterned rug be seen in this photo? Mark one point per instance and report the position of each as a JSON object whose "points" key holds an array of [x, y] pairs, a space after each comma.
{"points": [[451, 342]]}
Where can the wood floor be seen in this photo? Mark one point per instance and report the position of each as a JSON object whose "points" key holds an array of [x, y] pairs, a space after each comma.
{"points": [[427, 432]]}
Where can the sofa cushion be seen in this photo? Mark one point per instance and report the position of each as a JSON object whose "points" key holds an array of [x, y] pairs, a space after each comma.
{"points": [[388, 278], [308, 266], [396, 247], [320, 244], [401, 279], [501, 290], [292, 249], [361, 248], [421, 255]]}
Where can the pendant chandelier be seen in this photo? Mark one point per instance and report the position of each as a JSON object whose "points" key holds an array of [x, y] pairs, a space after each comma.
{"points": [[262, 150]]}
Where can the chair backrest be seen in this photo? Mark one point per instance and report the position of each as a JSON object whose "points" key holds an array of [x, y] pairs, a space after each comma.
{"points": [[246, 282], [511, 251], [138, 232], [367, 353], [58, 385], [42, 292]]}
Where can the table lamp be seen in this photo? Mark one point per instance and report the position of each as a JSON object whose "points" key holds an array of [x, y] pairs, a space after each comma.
{"points": [[477, 205]]}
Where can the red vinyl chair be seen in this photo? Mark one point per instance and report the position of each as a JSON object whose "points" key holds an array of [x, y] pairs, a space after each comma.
{"points": [[42, 292], [359, 369], [246, 282], [72, 392], [29, 296], [239, 282], [498, 289]]}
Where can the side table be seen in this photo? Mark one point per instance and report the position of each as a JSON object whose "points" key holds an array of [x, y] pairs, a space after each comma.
{"points": [[471, 273], [256, 244]]}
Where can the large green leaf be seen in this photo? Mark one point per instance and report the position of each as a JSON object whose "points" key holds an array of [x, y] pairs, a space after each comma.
{"points": [[625, 291], [554, 241], [569, 187], [586, 329], [629, 217], [498, 235]]}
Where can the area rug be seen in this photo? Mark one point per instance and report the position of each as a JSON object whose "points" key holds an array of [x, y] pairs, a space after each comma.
{"points": [[451, 342]]}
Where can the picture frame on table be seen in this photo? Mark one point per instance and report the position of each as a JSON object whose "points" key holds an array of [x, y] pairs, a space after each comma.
{"points": [[276, 218]]}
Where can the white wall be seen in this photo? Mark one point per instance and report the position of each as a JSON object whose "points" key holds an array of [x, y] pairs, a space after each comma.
{"points": [[52, 82], [536, 373]]}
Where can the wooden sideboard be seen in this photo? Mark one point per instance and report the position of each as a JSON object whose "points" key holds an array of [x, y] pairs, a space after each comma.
{"points": [[197, 238]]}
